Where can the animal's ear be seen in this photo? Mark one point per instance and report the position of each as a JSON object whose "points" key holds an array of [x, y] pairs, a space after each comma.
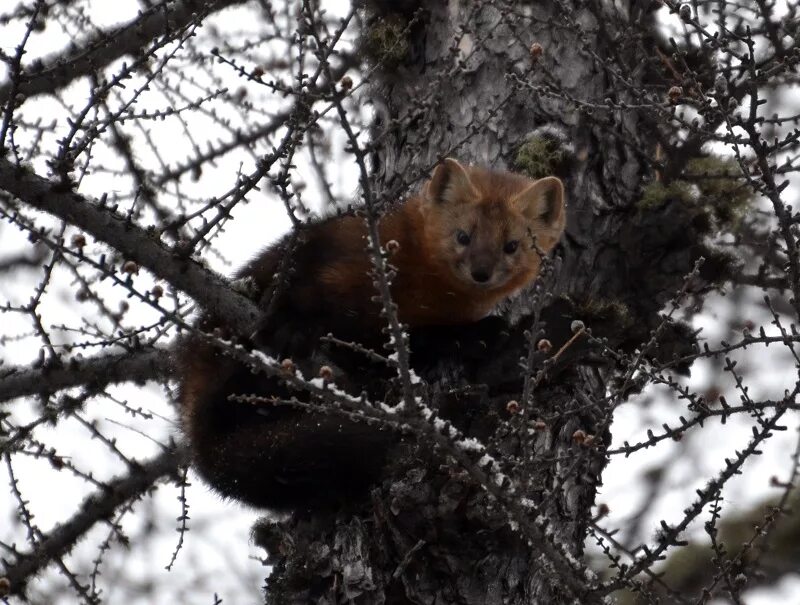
{"points": [[542, 203], [449, 183]]}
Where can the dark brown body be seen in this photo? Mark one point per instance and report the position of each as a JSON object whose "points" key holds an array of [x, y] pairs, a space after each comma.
{"points": [[281, 458]]}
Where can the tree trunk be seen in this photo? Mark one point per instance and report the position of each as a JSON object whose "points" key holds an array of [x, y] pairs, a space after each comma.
{"points": [[480, 94]]}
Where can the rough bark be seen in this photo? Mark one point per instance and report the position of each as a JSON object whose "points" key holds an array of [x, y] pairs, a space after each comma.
{"points": [[426, 536]]}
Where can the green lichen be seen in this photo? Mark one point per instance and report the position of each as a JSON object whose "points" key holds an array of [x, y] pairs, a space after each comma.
{"points": [[726, 196], [539, 157], [385, 41], [612, 312], [657, 193], [711, 186]]}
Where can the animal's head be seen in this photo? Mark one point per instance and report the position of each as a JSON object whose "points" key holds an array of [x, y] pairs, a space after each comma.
{"points": [[491, 228]]}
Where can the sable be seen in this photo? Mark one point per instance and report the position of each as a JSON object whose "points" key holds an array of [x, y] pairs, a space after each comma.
{"points": [[471, 238]]}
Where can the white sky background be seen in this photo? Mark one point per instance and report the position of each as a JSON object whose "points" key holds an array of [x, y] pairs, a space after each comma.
{"points": [[213, 558]]}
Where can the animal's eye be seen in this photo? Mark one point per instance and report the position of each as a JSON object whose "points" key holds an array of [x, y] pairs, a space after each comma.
{"points": [[462, 237], [511, 246]]}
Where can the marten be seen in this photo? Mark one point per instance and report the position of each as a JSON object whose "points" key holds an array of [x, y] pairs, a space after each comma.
{"points": [[469, 239]]}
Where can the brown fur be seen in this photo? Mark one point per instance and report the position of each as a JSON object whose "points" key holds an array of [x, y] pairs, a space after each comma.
{"points": [[279, 458], [433, 286]]}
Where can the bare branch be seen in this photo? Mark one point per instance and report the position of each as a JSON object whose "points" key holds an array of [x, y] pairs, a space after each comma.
{"points": [[110, 368], [165, 18], [104, 223], [94, 509]]}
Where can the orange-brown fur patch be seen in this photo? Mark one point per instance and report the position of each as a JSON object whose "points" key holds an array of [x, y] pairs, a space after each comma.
{"points": [[430, 288]]}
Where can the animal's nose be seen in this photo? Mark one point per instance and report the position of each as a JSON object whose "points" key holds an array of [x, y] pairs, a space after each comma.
{"points": [[481, 275]]}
